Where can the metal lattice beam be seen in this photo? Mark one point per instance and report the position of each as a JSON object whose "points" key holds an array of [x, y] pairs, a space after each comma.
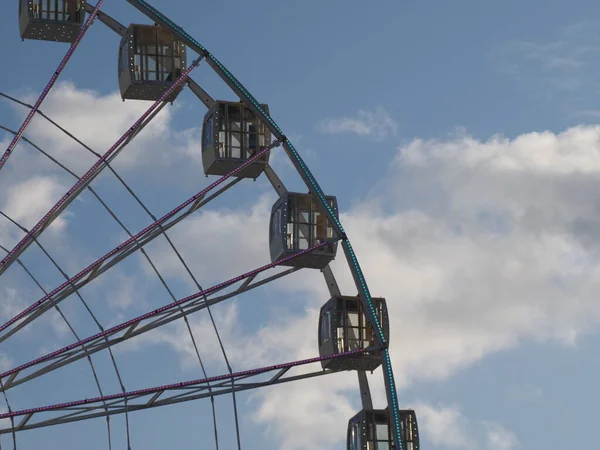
{"points": [[131, 328], [122, 251], [130, 331], [90, 175], [162, 395], [93, 11]]}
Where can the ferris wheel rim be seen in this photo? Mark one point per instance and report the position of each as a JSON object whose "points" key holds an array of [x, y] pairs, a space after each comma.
{"points": [[311, 183], [12, 414]]}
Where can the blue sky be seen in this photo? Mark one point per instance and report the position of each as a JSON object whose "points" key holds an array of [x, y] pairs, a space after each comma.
{"points": [[461, 141]]}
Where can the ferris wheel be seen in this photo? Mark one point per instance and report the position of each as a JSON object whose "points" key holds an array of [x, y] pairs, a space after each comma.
{"points": [[238, 137]]}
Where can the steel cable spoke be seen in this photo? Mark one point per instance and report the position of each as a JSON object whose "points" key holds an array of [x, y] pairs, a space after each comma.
{"points": [[67, 322], [235, 410], [12, 419]]}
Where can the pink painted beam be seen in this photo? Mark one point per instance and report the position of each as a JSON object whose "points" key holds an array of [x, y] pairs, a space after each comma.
{"points": [[176, 385], [160, 310], [88, 177], [49, 86]]}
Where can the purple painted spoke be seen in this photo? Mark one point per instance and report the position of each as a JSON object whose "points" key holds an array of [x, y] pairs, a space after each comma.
{"points": [[49, 86], [178, 385], [114, 251], [160, 310], [90, 174]]}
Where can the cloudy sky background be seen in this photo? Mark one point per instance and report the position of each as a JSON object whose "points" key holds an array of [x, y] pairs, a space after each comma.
{"points": [[461, 141]]}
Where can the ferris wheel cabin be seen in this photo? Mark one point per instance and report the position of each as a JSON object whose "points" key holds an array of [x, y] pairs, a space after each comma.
{"points": [[51, 20], [151, 59], [370, 429], [343, 327], [232, 133], [298, 224]]}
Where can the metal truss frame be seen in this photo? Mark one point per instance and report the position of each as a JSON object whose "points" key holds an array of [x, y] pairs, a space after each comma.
{"points": [[121, 251], [80, 410], [312, 185], [128, 330], [151, 398]]}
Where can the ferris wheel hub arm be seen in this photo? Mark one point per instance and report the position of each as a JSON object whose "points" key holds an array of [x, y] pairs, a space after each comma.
{"points": [[180, 392], [92, 344], [49, 86], [107, 20], [89, 176], [120, 252]]}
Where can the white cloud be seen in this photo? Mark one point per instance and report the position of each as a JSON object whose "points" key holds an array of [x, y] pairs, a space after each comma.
{"points": [[443, 426], [480, 245], [99, 120], [306, 425], [27, 202], [30, 185], [121, 291], [525, 393], [375, 124], [12, 303], [16, 293], [575, 151], [476, 245], [562, 67], [177, 336], [217, 244], [5, 362], [499, 438], [446, 427]]}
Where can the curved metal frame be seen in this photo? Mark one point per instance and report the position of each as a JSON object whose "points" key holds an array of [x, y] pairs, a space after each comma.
{"points": [[149, 233]]}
